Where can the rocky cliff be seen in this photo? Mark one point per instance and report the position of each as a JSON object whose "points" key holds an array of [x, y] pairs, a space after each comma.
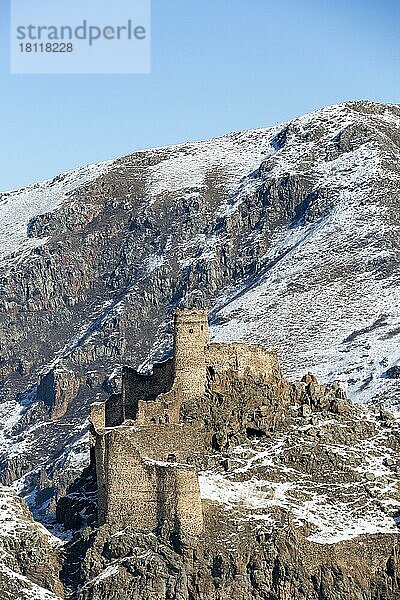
{"points": [[300, 496]]}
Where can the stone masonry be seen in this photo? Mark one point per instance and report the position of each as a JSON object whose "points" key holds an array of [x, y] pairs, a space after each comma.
{"points": [[143, 451]]}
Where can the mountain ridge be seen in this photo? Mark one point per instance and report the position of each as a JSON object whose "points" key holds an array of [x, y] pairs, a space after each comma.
{"points": [[246, 213], [290, 234]]}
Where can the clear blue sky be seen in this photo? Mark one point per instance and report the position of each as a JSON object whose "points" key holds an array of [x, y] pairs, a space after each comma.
{"points": [[217, 66]]}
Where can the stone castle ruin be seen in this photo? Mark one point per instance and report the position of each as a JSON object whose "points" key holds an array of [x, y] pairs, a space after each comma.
{"points": [[145, 453]]}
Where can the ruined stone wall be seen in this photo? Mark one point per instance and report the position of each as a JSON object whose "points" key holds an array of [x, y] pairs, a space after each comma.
{"points": [[137, 387], [157, 398], [262, 364], [143, 493], [98, 415], [97, 451], [183, 441], [101, 477], [114, 410], [164, 410], [131, 489], [179, 496]]}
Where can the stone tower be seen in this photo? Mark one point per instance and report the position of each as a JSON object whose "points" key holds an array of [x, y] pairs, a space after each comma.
{"points": [[191, 335]]}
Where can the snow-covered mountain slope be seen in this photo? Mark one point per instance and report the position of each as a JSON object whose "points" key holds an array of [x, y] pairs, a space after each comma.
{"points": [[290, 234], [330, 299], [18, 207], [342, 483], [327, 295]]}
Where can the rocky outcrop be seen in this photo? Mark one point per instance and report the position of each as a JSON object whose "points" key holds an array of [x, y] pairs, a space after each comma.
{"points": [[57, 389], [29, 554], [77, 507], [279, 565]]}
